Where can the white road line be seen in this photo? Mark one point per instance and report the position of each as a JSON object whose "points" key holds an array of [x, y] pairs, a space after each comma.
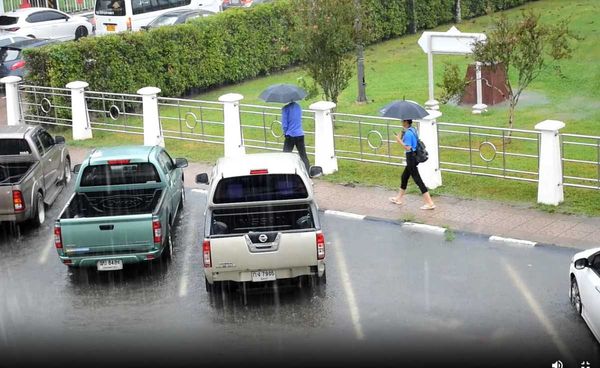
{"points": [[345, 214], [183, 284], [424, 228], [537, 310], [511, 241], [45, 253], [345, 276], [203, 191]]}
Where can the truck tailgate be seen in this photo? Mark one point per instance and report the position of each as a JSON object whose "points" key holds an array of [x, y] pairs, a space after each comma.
{"points": [[6, 200], [115, 234], [296, 249]]}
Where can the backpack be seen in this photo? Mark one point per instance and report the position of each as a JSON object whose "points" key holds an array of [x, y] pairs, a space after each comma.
{"points": [[421, 153]]}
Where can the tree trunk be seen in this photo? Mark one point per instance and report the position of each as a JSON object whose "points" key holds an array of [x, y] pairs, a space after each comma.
{"points": [[457, 14], [362, 85], [511, 117], [413, 17]]}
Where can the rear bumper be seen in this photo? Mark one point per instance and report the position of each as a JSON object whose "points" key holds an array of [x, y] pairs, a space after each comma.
{"points": [[91, 261], [213, 274], [15, 217]]}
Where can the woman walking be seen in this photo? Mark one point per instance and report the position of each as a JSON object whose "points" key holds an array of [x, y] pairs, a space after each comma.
{"points": [[410, 141]]}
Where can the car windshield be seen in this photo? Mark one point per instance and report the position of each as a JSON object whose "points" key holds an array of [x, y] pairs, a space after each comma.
{"points": [[255, 188], [7, 54], [8, 21], [110, 7], [139, 173], [12, 147], [164, 20]]}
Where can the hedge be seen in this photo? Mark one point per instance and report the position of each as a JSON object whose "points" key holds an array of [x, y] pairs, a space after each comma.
{"points": [[226, 48]]}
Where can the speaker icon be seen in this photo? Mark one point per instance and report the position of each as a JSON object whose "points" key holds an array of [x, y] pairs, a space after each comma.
{"points": [[557, 364]]}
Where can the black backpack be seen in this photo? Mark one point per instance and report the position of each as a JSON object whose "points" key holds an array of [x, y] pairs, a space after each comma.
{"points": [[421, 153]]}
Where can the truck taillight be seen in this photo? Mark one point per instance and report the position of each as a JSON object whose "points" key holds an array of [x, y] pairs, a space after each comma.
{"points": [[206, 253], [18, 202], [157, 231], [320, 245], [57, 236]]}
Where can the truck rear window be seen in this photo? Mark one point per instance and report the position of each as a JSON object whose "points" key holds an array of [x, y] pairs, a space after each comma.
{"points": [[259, 188], [261, 219], [137, 173], [12, 147]]}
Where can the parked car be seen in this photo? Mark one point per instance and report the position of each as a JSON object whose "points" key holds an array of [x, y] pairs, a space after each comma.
{"points": [[262, 222], [123, 210], [6, 40], [242, 3], [44, 23], [177, 17], [34, 168], [91, 18], [11, 56], [585, 287]]}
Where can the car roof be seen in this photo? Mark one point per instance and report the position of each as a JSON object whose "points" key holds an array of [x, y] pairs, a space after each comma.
{"points": [[25, 11], [275, 163], [30, 42], [15, 131], [133, 153]]}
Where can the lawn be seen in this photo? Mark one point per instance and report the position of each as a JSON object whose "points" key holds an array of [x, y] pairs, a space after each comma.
{"points": [[398, 69]]}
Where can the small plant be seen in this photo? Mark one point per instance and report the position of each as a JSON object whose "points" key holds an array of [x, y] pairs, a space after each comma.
{"points": [[309, 86], [408, 217], [453, 85], [449, 234]]}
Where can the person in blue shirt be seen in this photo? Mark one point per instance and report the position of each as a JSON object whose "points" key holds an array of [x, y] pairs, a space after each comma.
{"points": [[291, 122], [409, 141]]}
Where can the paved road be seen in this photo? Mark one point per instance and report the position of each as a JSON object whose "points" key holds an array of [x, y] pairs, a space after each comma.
{"points": [[393, 295]]}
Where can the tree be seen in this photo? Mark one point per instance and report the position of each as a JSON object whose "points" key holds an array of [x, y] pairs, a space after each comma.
{"points": [[328, 34], [526, 48]]}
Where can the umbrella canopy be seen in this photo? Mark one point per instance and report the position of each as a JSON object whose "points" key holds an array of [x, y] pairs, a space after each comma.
{"points": [[283, 93], [404, 110]]}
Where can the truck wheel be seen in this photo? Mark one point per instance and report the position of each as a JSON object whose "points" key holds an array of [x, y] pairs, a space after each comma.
{"points": [[168, 251], [182, 201], [209, 288], [323, 279], [39, 210], [67, 172]]}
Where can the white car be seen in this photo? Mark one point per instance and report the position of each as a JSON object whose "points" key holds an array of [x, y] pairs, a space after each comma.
{"points": [[44, 23], [585, 287]]}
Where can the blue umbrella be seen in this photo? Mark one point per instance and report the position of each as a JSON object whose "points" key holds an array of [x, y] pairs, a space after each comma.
{"points": [[283, 93], [404, 110]]}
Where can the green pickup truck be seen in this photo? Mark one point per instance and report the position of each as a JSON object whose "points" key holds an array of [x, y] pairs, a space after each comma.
{"points": [[125, 202]]}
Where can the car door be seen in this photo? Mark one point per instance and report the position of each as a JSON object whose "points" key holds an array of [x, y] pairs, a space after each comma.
{"points": [[49, 24], [173, 180], [591, 294], [51, 158]]}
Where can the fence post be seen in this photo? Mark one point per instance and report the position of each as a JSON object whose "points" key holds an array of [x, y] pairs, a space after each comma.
{"points": [[80, 118], [13, 110], [324, 139], [152, 130], [234, 145], [428, 132], [550, 185]]}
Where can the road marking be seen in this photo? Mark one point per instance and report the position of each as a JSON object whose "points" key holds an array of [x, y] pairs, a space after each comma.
{"points": [[346, 283], [511, 241], [424, 228], [203, 191], [345, 214], [45, 253], [187, 239], [537, 310]]}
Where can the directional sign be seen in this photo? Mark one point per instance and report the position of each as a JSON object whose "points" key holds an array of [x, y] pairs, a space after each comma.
{"points": [[451, 42]]}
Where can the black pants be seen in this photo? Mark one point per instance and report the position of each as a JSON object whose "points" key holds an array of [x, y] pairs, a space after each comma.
{"points": [[411, 170], [290, 142]]}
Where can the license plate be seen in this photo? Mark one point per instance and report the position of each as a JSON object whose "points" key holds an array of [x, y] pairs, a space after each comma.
{"points": [[258, 276], [110, 265], [111, 27]]}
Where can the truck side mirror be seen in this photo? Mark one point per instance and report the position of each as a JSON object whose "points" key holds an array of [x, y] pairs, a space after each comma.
{"points": [[581, 263], [59, 139], [202, 178], [181, 163], [77, 168], [315, 171]]}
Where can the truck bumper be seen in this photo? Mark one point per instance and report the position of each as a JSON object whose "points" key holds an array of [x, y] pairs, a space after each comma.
{"points": [[91, 261], [15, 217], [216, 275]]}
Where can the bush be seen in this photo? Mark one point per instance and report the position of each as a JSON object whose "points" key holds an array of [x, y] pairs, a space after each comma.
{"points": [[225, 48]]}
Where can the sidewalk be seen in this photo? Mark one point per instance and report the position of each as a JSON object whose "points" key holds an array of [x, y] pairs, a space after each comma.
{"points": [[460, 215]]}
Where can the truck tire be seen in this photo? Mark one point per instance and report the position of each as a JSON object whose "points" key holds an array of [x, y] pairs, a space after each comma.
{"points": [[209, 288], [39, 210], [67, 172], [321, 280], [168, 251]]}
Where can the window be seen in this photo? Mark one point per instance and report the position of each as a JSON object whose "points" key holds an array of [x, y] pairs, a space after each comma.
{"points": [[38, 144], [146, 6], [261, 219], [255, 188], [45, 16], [139, 173], [595, 264], [9, 147], [165, 162], [7, 54], [8, 21], [47, 140], [110, 7]]}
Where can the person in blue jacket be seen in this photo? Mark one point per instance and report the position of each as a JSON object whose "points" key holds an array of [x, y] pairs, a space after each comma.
{"points": [[291, 121], [409, 141]]}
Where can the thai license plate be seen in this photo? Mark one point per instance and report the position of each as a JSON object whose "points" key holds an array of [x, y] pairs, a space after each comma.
{"points": [[258, 276], [111, 27], [110, 265]]}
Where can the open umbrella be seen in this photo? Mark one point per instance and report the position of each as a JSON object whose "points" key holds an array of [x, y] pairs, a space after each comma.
{"points": [[283, 93], [404, 110]]}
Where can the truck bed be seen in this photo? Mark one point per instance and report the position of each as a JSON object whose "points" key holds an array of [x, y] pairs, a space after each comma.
{"points": [[113, 203], [12, 172]]}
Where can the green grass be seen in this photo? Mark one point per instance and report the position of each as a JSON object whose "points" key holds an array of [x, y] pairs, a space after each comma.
{"points": [[398, 69]]}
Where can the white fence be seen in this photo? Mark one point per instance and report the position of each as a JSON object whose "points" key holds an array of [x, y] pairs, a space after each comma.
{"points": [[544, 155]]}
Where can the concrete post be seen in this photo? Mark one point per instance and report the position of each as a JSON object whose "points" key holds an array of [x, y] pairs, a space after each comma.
{"points": [[13, 109], [81, 120], [234, 145], [550, 185], [480, 107], [428, 132], [432, 103], [324, 140], [152, 131]]}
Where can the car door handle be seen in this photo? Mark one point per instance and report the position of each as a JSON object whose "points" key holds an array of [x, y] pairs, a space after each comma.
{"points": [[106, 227]]}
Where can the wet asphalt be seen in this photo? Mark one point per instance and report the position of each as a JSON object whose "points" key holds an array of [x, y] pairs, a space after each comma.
{"points": [[394, 297]]}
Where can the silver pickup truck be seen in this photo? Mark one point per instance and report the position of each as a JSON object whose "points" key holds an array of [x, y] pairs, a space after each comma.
{"points": [[34, 167]]}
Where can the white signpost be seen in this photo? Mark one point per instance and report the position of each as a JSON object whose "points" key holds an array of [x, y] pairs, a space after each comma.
{"points": [[452, 42]]}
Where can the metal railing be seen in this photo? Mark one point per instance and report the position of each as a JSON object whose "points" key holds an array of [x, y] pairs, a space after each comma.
{"points": [[45, 105], [191, 120], [115, 112], [67, 6], [581, 161]]}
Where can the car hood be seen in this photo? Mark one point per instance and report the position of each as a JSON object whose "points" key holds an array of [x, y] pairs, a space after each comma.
{"points": [[586, 253]]}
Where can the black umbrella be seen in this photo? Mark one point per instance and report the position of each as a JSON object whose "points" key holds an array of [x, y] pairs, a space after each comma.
{"points": [[404, 110], [283, 93]]}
